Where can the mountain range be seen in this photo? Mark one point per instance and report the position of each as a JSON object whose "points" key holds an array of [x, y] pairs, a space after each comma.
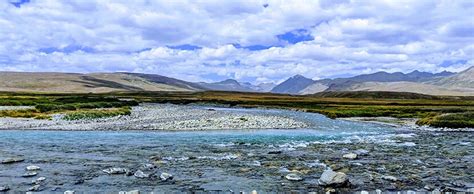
{"points": [[443, 83]]}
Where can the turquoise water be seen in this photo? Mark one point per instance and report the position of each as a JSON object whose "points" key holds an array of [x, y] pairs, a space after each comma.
{"points": [[199, 160]]}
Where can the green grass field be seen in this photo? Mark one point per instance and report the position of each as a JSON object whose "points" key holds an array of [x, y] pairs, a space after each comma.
{"points": [[436, 111]]}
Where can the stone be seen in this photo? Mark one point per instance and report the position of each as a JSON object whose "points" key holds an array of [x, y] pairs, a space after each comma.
{"points": [[4, 188], [389, 178], [141, 174], [69, 192], [293, 177], [133, 192], [331, 178], [116, 171], [11, 160], [275, 152], [29, 174], [350, 156], [165, 176], [34, 188], [38, 180], [33, 168]]}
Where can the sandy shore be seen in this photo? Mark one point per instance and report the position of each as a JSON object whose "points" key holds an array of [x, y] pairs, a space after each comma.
{"points": [[163, 117]]}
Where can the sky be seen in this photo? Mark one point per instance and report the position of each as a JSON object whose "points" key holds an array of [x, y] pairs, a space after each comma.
{"points": [[247, 40]]}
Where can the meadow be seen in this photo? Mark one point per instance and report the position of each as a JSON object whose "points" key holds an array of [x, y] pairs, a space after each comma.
{"points": [[436, 111]]}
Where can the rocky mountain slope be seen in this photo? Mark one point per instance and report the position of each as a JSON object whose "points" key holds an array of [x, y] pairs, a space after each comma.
{"points": [[89, 83], [293, 85]]}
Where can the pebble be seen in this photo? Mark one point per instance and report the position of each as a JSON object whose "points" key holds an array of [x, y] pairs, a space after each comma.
{"points": [[351, 156], [293, 177], [29, 174], [116, 170], [32, 168], [165, 176], [329, 178], [69, 192], [12, 160]]}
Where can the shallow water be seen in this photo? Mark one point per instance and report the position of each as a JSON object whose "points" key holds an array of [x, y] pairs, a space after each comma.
{"points": [[237, 160]]}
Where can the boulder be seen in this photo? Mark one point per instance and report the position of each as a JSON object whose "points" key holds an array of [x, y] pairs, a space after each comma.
{"points": [[4, 188], [331, 178]]}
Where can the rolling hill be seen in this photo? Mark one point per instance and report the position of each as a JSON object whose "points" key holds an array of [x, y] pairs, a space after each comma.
{"points": [[89, 83]]}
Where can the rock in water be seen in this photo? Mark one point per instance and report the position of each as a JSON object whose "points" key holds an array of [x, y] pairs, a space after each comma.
{"points": [[69, 192], [165, 176], [116, 170], [38, 180], [32, 168], [351, 156], [29, 174], [141, 174], [34, 188], [293, 177], [4, 188], [12, 160], [331, 178]]}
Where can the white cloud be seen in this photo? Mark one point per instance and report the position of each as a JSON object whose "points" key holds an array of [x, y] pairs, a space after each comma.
{"points": [[350, 37]]}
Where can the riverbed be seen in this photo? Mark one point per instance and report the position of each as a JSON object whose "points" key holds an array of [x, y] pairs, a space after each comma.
{"points": [[389, 158]]}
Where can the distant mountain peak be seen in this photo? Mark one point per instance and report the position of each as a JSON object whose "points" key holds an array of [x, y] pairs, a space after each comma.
{"points": [[299, 76], [229, 81], [293, 85]]}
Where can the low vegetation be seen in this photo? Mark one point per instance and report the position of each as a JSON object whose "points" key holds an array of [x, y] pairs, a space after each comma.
{"points": [[96, 114], [74, 106], [454, 120], [436, 111]]}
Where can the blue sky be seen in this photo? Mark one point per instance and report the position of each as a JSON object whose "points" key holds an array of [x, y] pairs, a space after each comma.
{"points": [[257, 41]]}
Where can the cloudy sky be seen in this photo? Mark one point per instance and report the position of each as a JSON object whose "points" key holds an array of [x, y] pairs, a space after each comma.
{"points": [[248, 40]]}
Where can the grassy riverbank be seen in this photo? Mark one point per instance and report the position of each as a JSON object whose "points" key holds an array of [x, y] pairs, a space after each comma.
{"points": [[437, 111]]}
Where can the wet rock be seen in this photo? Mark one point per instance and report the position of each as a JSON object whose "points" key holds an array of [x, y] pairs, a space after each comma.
{"points": [[35, 188], [350, 156], [33, 168], [293, 177], [29, 174], [69, 192], [130, 192], [38, 180], [458, 184], [389, 178], [11, 160], [428, 187], [116, 171], [149, 166], [4, 188], [275, 152], [331, 178], [141, 174], [165, 176]]}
